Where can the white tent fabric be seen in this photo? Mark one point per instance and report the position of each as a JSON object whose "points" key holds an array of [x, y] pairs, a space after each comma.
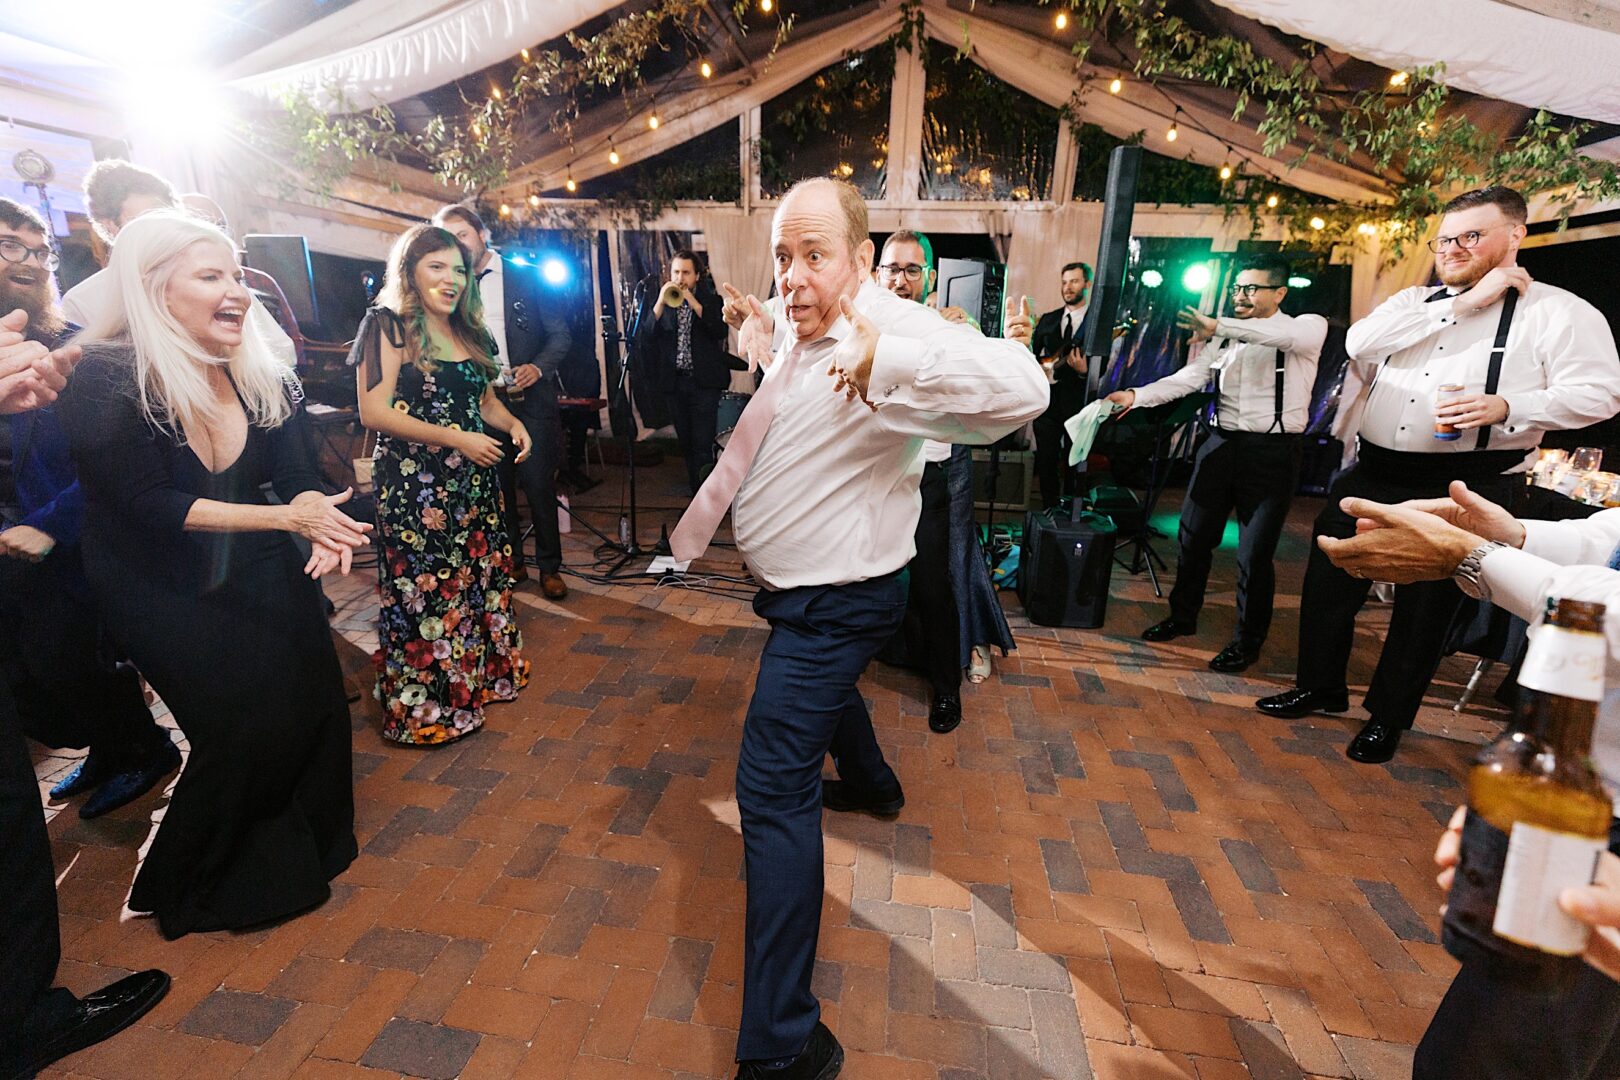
{"points": [[465, 37], [1500, 50]]}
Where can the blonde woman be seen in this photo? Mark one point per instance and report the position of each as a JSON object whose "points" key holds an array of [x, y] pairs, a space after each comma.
{"points": [[448, 643], [177, 416]]}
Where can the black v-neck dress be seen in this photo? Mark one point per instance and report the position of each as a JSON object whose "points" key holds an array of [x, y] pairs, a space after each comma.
{"points": [[232, 635]]}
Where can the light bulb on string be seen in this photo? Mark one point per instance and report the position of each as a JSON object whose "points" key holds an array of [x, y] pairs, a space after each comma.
{"points": [[652, 121], [534, 199], [1271, 202], [506, 211], [706, 69], [569, 184], [613, 155], [1061, 21], [1318, 223], [1172, 134], [495, 93], [525, 55], [1399, 79], [765, 6], [1226, 171], [1117, 85]]}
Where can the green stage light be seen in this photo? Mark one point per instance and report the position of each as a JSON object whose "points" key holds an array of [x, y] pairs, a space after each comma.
{"points": [[1152, 279], [1196, 277], [1297, 282]]}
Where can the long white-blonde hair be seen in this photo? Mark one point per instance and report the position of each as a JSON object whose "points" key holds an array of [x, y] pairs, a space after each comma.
{"points": [[171, 368]]}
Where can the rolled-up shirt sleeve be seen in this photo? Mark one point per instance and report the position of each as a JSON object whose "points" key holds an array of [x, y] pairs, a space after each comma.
{"points": [[1398, 323]]}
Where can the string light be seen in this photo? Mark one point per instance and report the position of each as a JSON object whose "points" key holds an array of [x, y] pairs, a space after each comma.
{"points": [[1117, 85], [534, 199], [765, 6], [1398, 79], [613, 155], [652, 121], [1226, 166], [1318, 224], [1271, 202], [478, 132], [1062, 20], [1175, 131], [495, 93], [706, 69], [506, 211], [570, 185], [525, 55]]}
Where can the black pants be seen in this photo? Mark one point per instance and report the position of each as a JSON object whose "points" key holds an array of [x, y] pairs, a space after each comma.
{"points": [[1423, 610], [806, 705], [30, 938], [1490, 1029], [1052, 454], [67, 690], [1255, 475], [695, 410], [537, 475], [931, 595]]}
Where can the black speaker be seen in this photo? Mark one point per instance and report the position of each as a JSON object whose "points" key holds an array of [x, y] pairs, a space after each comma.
{"points": [[976, 286], [286, 258], [1113, 255], [1065, 568]]}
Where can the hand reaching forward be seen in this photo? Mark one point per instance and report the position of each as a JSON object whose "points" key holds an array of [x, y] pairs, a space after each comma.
{"points": [[852, 358], [1469, 511]]}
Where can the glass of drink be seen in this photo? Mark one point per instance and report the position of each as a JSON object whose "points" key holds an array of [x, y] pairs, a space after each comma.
{"points": [[1587, 459], [1444, 395]]}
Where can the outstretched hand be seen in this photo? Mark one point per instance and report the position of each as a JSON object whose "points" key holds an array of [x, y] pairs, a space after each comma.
{"points": [[30, 374], [1018, 320], [753, 323], [1469, 511], [1399, 544]]}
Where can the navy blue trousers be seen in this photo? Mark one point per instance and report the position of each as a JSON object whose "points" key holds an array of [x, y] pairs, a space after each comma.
{"points": [[805, 706]]}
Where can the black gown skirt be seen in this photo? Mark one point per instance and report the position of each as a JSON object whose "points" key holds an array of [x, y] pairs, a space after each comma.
{"points": [[232, 635]]}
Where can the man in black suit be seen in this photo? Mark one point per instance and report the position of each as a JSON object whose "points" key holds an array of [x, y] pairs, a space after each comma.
{"points": [[533, 340], [1057, 343], [686, 341]]}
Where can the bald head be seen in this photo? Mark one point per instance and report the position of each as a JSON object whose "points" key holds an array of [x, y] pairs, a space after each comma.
{"points": [[821, 251]]}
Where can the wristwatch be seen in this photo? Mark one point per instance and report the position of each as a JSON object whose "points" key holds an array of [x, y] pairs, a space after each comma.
{"points": [[1468, 573]]}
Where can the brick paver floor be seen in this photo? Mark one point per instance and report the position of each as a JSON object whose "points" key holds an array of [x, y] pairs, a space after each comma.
{"points": [[1114, 868]]}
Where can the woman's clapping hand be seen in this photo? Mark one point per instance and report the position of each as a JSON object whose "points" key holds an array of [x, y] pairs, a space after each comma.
{"points": [[316, 517]]}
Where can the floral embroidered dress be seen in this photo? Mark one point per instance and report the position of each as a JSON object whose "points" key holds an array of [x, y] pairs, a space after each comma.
{"points": [[448, 642]]}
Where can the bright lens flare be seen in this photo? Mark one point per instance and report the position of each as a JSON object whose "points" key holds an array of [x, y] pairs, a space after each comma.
{"points": [[1196, 278], [1061, 21], [1152, 279]]}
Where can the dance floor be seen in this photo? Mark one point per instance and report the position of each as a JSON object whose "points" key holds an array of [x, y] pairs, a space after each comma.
{"points": [[1114, 868]]}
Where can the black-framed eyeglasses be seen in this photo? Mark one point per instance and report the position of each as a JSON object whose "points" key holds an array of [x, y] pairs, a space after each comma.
{"points": [[1467, 241], [15, 251], [910, 271], [1250, 290]]}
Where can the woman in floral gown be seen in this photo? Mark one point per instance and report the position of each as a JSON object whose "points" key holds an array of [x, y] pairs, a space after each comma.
{"points": [[448, 642]]}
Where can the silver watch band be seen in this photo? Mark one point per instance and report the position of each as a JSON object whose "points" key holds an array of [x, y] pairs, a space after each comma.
{"points": [[1469, 574]]}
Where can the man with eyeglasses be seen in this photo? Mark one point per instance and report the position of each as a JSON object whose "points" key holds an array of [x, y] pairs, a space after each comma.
{"points": [[1262, 364], [1528, 357], [951, 603], [50, 673], [1057, 344]]}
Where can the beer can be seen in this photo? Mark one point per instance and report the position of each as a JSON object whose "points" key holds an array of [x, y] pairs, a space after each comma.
{"points": [[1443, 394]]}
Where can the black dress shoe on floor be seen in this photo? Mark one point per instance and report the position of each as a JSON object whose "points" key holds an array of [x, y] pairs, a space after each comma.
{"points": [[97, 1016], [1292, 704], [1168, 630], [131, 784], [1375, 743], [843, 797], [945, 714], [1237, 656], [821, 1059], [88, 773]]}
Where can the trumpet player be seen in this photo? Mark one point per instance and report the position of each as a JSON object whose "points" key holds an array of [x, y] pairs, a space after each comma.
{"points": [[685, 341]]}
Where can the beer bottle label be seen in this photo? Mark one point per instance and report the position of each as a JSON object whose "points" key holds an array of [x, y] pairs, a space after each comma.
{"points": [[1565, 662], [1540, 864]]}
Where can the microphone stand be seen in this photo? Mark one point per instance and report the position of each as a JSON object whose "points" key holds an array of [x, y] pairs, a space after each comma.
{"points": [[615, 342]]}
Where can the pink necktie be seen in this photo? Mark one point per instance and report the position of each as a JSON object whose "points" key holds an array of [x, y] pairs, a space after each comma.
{"points": [[697, 526]]}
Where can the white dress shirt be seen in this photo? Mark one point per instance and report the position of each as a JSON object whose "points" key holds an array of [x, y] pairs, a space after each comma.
{"points": [[492, 289], [1242, 355], [1569, 560], [832, 495], [1559, 370]]}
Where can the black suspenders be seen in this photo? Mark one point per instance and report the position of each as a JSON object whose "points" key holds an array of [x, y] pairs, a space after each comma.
{"points": [[1493, 372], [1276, 399]]}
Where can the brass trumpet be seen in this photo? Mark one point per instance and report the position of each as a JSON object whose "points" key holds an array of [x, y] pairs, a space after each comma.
{"points": [[673, 297]]}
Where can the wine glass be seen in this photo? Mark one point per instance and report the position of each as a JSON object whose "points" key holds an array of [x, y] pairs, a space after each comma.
{"points": [[1587, 459]]}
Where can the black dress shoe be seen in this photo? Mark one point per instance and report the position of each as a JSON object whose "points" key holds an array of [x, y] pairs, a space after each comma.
{"points": [[1238, 656], [945, 714], [1375, 743], [131, 784], [88, 773], [821, 1059], [1168, 630], [1292, 704], [842, 796], [97, 1016]]}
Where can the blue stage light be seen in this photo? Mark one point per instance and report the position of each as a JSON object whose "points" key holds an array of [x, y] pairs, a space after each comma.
{"points": [[518, 260], [554, 271]]}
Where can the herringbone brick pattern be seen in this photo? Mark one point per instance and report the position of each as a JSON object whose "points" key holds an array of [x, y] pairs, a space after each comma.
{"points": [[1114, 868]]}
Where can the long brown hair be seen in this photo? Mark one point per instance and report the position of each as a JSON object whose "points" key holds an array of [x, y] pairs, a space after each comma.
{"points": [[399, 293]]}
